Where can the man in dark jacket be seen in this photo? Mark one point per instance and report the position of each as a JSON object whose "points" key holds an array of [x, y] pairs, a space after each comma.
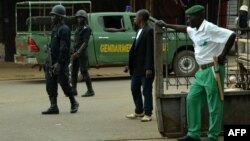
{"points": [[80, 56], [141, 66], [56, 68]]}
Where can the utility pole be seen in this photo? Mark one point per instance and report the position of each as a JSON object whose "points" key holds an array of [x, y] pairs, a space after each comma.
{"points": [[9, 29]]}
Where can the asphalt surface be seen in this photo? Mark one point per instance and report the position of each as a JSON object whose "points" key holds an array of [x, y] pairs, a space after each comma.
{"points": [[100, 118]]}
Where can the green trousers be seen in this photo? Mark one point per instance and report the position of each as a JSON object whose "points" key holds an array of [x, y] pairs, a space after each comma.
{"points": [[204, 88]]}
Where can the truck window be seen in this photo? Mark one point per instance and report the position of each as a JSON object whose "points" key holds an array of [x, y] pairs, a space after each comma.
{"points": [[112, 23]]}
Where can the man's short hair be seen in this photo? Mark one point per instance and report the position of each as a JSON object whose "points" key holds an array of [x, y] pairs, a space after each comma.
{"points": [[144, 13]]}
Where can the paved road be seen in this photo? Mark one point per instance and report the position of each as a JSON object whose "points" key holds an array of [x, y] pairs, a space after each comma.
{"points": [[100, 118]]}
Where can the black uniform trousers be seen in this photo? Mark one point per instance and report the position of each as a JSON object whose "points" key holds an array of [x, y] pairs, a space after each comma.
{"points": [[62, 78], [80, 63]]}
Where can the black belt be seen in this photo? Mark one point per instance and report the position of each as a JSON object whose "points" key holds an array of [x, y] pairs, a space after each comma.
{"points": [[206, 65]]}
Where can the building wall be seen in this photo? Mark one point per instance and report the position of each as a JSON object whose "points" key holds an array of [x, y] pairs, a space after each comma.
{"points": [[169, 11], [109, 5], [1, 21]]}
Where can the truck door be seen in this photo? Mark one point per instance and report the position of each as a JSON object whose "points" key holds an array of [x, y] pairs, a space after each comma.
{"points": [[113, 40]]}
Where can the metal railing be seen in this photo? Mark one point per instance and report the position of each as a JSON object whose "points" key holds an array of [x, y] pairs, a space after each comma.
{"points": [[237, 64]]}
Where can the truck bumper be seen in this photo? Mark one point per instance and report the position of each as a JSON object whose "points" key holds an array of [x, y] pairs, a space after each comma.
{"points": [[21, 59]]}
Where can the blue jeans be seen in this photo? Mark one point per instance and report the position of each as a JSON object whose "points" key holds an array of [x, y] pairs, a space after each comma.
{"points": [[146, 83]]}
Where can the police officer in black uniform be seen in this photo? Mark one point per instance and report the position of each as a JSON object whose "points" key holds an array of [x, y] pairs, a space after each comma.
{"points": [[80, 55], [56, 68]]}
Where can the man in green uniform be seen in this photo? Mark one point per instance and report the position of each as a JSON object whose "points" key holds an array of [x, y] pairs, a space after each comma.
{"points": [[80, 56], [209, 40]]}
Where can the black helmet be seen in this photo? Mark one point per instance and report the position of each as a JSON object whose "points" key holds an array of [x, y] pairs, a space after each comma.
{"points": [[81, 13], [58, 10]]}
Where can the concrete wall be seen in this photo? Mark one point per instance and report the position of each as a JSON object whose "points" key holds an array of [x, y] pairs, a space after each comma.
{"points": [[1, 19]]}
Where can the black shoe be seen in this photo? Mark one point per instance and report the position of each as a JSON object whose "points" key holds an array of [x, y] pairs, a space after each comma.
{"points": [[74, 107], [51, 110], [88, 94], [187, 138], [212, 139]]}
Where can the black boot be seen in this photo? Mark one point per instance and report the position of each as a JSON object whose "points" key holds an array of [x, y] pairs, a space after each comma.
{"points": [[53, 109], [74, 104], [74, 89], [90, 91], [74, 86]]}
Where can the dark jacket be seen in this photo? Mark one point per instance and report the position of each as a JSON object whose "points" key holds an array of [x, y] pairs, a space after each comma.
{"points": [[60, 44], [82, 34], [141, 54]]}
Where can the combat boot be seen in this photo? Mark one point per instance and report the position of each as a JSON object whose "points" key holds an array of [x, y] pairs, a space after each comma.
{"points": [[53, 109], [74, 90], [88, 94], [90, 91], [74, 104], [74, 86]]}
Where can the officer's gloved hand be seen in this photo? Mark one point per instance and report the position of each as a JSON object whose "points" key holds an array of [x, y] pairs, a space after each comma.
{"points": [[56, 68], [149, 73]]}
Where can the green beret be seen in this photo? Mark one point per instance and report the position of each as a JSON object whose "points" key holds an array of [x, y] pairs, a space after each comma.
{"points": [[194, 10]]}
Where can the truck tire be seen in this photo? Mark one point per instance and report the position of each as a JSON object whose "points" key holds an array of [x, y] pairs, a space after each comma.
{"points": [[185, 64]]}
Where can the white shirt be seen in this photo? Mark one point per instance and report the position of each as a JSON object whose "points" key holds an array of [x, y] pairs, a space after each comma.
{"points": [[209, 40], [139, 33]]}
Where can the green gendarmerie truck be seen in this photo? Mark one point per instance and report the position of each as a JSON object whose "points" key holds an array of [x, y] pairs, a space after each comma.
{"points": [[110, 41]]}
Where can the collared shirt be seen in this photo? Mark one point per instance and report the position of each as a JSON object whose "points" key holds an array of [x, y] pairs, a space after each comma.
{"points": [[139, 33], [137, 36], [209, 40], [60, 43], [82, 34]]}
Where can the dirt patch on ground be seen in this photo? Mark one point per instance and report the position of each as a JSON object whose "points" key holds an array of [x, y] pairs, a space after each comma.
{"points": [[12, 71]]}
